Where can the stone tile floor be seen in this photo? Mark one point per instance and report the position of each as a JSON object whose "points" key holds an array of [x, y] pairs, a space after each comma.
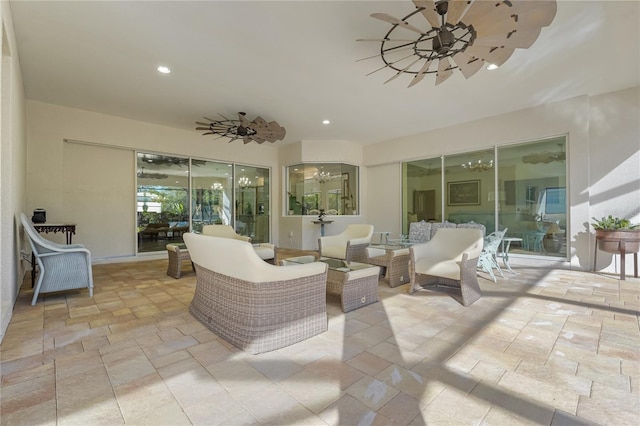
{"points": [[541, 347]]}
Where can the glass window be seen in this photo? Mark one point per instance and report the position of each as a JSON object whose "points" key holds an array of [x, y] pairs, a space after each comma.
{"points": [[532, 191], [211, 193], [252, 203], [469, 188], [523, 189], [332, 187], [422, 191], [162, 200], [221, 193]]}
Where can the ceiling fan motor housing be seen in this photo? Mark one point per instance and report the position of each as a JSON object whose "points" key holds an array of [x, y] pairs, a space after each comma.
{"points": [[443, 42]]}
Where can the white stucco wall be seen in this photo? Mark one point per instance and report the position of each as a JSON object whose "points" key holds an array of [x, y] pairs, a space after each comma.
{"points": [[49, 125], [12, 169], [603, 155]]}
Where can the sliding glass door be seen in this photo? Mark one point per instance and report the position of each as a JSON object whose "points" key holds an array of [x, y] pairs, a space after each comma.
{"points": [[211, 193], [162, 200], [469, 188], [521, 187], [533, 197], [252, 204], [176, 194]]}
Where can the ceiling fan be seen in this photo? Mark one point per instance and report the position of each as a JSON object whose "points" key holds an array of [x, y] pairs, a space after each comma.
{"points": [[163, 160], [144, 175], [258, 130], [468, 32], [544, 157]]}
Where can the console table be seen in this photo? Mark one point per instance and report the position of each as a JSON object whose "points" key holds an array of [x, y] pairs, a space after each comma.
{"points": [[68, 228], [322, 223]]}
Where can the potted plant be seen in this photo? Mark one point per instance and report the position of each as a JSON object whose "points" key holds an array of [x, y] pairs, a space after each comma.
{"points": [[614, 232]]}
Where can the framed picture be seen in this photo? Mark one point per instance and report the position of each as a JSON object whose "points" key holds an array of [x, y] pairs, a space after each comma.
{"points": [[464, 193]]}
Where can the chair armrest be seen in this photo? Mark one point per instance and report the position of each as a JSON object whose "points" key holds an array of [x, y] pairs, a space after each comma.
{"points": [[419, 251], [56, 253], [359, 241], [266, 245], [242, 238]]}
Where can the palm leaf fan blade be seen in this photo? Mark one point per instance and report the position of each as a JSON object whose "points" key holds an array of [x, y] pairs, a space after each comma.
{"points": [[491, 55], [518, 39], [444, 71], [429, 12], [468, 65], [481, 11], [395, 21], [423, 71], [456, 9]]}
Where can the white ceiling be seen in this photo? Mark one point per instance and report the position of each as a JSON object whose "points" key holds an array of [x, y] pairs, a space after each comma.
{"points": [[295, 62]]}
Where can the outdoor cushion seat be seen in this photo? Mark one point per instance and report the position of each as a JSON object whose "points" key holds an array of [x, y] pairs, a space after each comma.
{"points": [[351, 244], [449, 259]]}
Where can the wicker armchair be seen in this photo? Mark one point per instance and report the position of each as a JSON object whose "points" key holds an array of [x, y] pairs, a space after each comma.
{"points": [[62, 267], [351, 244], [449, 259], [253, 305]]}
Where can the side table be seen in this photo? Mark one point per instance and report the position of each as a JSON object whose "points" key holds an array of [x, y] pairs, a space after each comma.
{"points": [[356, 284], [177, 253], [394, 259]]}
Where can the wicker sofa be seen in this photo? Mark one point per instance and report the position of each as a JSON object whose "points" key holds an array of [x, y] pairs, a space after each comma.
{"points": [[449, 259], [255, 306]]}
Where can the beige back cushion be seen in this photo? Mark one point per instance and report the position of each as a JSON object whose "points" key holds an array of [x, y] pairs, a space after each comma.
{"points": [[238, 259]]}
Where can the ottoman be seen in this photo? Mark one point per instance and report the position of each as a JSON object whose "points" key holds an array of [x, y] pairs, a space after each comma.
{"points": [[177, 254]]}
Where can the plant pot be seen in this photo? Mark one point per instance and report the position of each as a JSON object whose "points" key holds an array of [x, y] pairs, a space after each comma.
{"points": [[614, 241]]}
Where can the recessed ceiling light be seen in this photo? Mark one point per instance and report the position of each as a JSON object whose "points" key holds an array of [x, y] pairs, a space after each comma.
{"points": [[492, 67], [163, 69], [326, 122]]}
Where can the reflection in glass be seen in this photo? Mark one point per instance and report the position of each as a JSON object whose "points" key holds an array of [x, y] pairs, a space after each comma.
{"points": [[211, 193], [332, 187], [162, 206], [533, 192], [422, 191], [529, 194], [252, 203], [469, 188]]}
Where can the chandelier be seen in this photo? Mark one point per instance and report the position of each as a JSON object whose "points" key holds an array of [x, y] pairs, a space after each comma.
{"points": [[244, 182], [258, 130], [217, 186], [321, 176], [468, 32], [480, 166]]}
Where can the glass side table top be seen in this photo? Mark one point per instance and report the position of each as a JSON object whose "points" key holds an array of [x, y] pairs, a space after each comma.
{"points": [[334, 264], [393, 245]]}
